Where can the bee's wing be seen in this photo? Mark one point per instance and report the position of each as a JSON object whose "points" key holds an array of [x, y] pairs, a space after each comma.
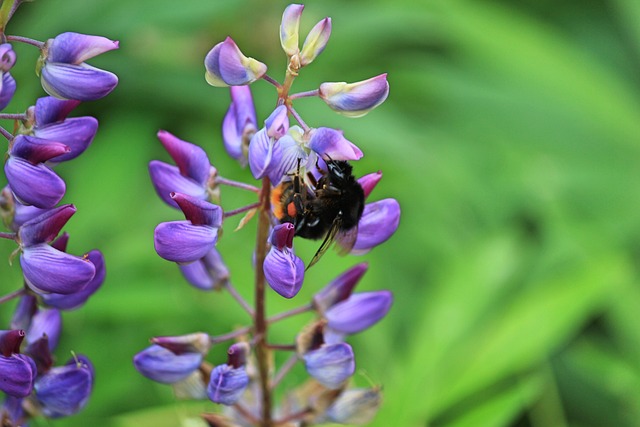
{"points": [[328, 240], [346, 240]]}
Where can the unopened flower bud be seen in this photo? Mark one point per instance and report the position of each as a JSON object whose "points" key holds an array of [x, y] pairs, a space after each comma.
{"points": [[227, 66], [277, 124], [339, 289], [332, 143], [164, 366], [283, 270], [359, 311], [289, 28], [229, 381], [355, 99], [331, 365], [315, 42]]}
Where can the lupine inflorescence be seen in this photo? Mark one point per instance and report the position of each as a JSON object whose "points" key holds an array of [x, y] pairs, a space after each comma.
{"points": [[54, 280], [306, 190]]}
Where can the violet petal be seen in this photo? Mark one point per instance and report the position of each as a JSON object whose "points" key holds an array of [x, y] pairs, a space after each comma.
{"points": [[167, 179], [181, 241], [49, 270], [227, 384], [331, 365], [64, 390], [162, 365], [35, 185], [45, 227], [331, 142], [82, 82], [74, 48], [52, 110], [76, 133], [359, 312]]}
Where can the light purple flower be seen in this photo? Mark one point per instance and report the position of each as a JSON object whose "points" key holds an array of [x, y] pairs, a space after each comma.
{"points": [[355, 99], [228, 381], [289, 28], [378, 223], [47, 322], [277, 124], [7, 57], [264, 154], [7, 82], [227, 66], [359, 312], [207, 273], [188, 241], [332, 143], [191, 174], [64, 73], [340, 288], [162, 365], [283, 270], [369, 182], [65, 390], [239, 123], [330, 364], [315, 42]]}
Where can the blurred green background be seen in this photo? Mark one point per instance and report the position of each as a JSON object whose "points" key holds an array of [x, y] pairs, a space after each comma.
{"points": [[511, 138]]}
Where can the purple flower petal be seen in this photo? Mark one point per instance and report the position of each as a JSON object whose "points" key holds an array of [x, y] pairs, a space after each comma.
{"points": [[26, 308], [50, 110], [35, 185], [64, 390], [45, 227], [77, 299], [37, 150], [49, 270], [277, 124], [227, 66], [7, 57], [332, 143], [227, 384], [82, 82], [355, 99], [76, 133], [340, 288], [290, 153], [75, 48], [181, 241], [368, 182], [331, 365], [7, 89], [206, 273], [46, 321], [359, 311], [264, 155], [191, 160], [284, 271], [12, 410], [379, 221], [166, 179], [162, 365], [17, 372], [199, 212], [239, 123]]}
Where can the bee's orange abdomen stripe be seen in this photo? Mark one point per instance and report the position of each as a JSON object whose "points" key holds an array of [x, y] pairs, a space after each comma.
{"points": [[276, 202]]}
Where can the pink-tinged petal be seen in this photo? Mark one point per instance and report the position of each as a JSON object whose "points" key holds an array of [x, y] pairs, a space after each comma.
{"points": [[227, 66], [340, 288], [7, 57], [359, 312], [315, 42], [379, 221], [162, 365], [52, 110], [75, 48], [190, 159], [45, 227], [331, 365], [23, 213], [282, 236], [284, 271], [77, 299], [199, 212], [76, 133], [7, 90], [35, 185], [263, 154], [368, 182], [37, 150], [18, 373], [289, 28], [167, 179], [355, 99], [81, 82], [277, 124], [207, 273], [181, 241], [332, 143], [49, 270], [46, 321], [10, 341]]}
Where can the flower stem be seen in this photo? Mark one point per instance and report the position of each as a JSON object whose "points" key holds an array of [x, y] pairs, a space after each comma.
{"points": [[234, 293], [272, 81], [233, 212], [6, 133], [295, 114], [26, 40], [6, 116], [10, 236], [314, 92], [12, 295], [284, 370], [230, 335], [262, 350], [283, 347], [292, 312], [223, 181]]}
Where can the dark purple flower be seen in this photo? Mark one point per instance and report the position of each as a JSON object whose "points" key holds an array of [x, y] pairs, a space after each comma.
{"points": [[330, 364], [12, 411], [45, 268], [24, 311], [47, 322], [283, 270], [332, 143], [21, 213], [64, 73], [162, 365], [340, 288], [359, 312], [188, 241], [355, 99], [207, 273], [65, 390], [379, 221], [239, 123], [191, 174], [17, 371], [227, 66]]}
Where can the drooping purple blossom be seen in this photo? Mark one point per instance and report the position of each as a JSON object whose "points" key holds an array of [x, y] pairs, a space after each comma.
{"points": [[165, 366], [207, 273], [330, 364], [355, 99], [65, 390], [17, 371], [340, 288], [227, 66], [283, 270], [239, 124], [64, 73], [228, 381], [359, 312]]}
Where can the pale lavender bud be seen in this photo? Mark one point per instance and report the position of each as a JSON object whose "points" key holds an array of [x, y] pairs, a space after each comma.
{"points": [[7, 57], [65, 390], [7, 89], [264, 154], [315, 42], [359, 312], [355, 99], [283, 270], [197, 342], [289, 28], [357, 406], [162, 365], [332, 143], [227, 66], [45, 322], [331, 365], [277, 124], [340, 288], [378, 223], [64, 73], [239, 123], [368, 182], [227, 384]]}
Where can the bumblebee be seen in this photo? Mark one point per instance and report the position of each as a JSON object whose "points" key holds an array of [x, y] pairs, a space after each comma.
{"points": [[325, 208]]}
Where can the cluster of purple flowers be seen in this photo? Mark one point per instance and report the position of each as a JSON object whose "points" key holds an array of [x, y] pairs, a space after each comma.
{"points": [[54, 280], [277, 153]]}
